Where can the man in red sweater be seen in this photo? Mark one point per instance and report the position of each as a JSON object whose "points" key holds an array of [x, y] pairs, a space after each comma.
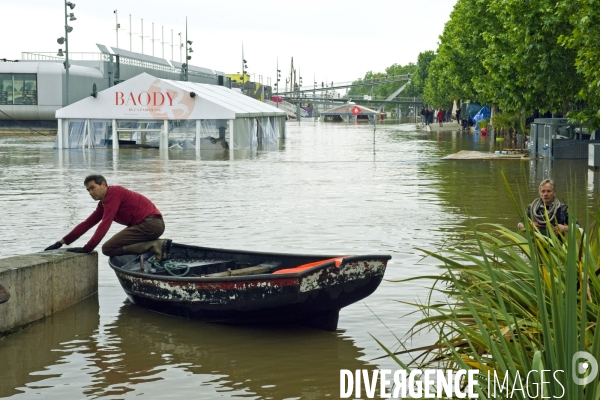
{"points": [[115, 203]]}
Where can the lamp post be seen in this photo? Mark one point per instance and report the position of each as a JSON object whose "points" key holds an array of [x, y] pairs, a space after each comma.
{"points": [[314, 111], [188, 49], [180, 47], [298, 115], [130, 34], [117, 26], [277, 82], [65, 40], [244, 69]]}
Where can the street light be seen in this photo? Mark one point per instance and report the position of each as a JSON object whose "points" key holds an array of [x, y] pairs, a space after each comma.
{"points": [[277, 82], [117, 25], [187, 50], [65, 40], [244, 69]]}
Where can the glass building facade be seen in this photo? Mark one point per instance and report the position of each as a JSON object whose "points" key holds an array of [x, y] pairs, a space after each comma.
{"points": [[18, 89]]}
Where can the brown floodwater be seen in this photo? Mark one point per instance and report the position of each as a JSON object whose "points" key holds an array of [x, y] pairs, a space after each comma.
{"points": [[328, 189]]}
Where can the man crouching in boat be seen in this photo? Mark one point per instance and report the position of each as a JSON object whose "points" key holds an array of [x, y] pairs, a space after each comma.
{"points": [[557, 211], [115, 203]]}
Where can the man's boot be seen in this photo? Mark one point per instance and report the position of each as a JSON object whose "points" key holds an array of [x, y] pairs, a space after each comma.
{"points": [[159, 247]]}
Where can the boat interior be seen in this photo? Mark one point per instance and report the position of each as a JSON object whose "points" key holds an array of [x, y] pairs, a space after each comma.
{"points": [[192, 261]]}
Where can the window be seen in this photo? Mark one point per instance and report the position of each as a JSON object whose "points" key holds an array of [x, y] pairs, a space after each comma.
{"points": [[18, 89], [6, 89]]}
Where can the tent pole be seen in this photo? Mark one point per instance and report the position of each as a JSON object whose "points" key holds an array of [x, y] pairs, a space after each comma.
{"points": [[115, 135], [197, 134], [59, 134], [231, 138], [164, 137]]}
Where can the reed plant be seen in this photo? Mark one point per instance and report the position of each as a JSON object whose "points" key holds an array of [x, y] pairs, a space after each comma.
{"points": [[516, 303]]}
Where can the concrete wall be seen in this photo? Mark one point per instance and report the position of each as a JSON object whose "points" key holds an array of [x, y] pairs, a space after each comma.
{"points": [[41, 284]]}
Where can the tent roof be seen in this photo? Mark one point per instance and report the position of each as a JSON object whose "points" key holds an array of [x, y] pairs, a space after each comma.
{"points": [[148, 97], [346, 109]]}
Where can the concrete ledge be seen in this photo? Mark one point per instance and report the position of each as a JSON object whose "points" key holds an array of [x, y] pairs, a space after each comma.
{"points": [[41, 284]]}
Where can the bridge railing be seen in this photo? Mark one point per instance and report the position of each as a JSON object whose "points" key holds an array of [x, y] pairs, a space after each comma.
{"points": [[73, 55], [339, 85], [374, 99]]}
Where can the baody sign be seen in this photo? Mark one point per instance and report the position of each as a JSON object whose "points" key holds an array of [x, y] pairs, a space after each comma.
{"points": [[155, 99], [437, 383], [159, 101]]}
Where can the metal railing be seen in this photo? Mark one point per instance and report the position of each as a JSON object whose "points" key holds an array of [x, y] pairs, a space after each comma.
{"points": [[92, 56], [347, 84], [47, 56]]}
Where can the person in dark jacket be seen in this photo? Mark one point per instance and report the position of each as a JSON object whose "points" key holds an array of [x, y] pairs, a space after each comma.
{"points": [[115, 203], [557, 212]]}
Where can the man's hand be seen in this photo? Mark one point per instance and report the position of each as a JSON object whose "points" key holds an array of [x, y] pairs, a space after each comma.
{"points": [[77, 250], [55, 246], [560, 228]]}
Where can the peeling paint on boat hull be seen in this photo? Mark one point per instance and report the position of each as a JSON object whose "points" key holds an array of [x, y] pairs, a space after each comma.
{"points": [[311, 297]]}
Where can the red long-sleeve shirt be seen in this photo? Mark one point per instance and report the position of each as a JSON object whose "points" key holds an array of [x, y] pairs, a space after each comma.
{"points": [[121, 205]]}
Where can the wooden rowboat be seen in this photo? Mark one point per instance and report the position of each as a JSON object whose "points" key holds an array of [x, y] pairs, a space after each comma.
{"points": [[232, 286]]}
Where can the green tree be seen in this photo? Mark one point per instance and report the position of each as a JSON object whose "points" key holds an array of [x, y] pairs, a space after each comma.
{"points": [[527, 67], [420, 77], [506, 53], [457, 68], [385, 89], [584, 16]]}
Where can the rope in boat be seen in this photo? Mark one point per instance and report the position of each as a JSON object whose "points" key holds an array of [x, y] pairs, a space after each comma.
{"points": [[169, 266], [537, 212]]}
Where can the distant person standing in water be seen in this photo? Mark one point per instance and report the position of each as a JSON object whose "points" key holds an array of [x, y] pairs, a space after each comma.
{"points": [[547, 203], [440, 116], [115, 203]]}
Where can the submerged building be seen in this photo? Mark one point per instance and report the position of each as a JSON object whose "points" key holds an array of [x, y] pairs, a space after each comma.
{"points": [[34, 88], [349, 112], [146, 111]]}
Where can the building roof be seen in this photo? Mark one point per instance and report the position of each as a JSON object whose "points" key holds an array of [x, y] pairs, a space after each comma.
{"points": [[346, 109], [147, 97], [155, 60]]}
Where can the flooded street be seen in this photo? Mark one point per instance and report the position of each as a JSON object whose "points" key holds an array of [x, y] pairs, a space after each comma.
{"points": [[328, 189]]}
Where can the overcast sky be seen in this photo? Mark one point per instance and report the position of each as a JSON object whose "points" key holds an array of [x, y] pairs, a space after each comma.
{"points": [[332, 40]]}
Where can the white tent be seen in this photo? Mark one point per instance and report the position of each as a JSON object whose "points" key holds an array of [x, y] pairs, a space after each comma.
{"points": [[153, 111]]}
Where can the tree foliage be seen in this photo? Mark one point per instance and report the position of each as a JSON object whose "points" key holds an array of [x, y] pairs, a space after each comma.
{"points": [[457, 68], [584, 17], [518, 55], [420, 77], [385, 89]]}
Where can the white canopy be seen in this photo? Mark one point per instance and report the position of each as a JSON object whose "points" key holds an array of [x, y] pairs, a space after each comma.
{"points": [[148, 98]]}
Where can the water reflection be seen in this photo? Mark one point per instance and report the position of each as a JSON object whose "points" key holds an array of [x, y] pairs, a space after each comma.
{"points": [[268, 363], [28, 356], [327, 189]]}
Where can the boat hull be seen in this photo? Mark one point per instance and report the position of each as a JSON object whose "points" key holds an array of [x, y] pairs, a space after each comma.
{"points": [[311, 297]]}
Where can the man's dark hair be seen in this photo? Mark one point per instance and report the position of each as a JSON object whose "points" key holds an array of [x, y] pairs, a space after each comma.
{"points": [[96, 178]]}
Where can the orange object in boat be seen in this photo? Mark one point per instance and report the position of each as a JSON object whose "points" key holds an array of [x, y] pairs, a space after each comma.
{"points": [[302, 267]]}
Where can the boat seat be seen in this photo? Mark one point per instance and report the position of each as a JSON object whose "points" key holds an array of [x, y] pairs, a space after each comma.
{"points": [[263, 268]]}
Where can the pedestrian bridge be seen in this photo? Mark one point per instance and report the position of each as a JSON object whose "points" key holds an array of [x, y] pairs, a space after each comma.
{"points": [[345, 85]]}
